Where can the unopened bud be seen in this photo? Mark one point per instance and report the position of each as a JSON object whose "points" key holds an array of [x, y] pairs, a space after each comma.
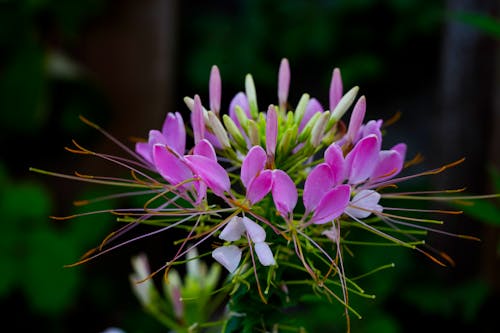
{"points": [[251, 95], [306, 131], [344, 104], [234, 131], [287, 142], [319, 128], [301, 108], [253, 133], [242, 117], [219, 130]]}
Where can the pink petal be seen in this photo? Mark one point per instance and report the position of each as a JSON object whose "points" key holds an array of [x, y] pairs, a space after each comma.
{"points": [[215, 89], [332, 205], [255, 231], [264, 254], [174, 132], [197, 120], [155, 137], [253, 163], [373, 127], [357, 116], [363, 203], [242, 101], [233, 230], [401, 149], [213, 139], [144, 149], [390, 163], [313, 107], [210, 172], [259, 187], [228, 256], [271, 130], [362, 160], [283, 82], [201, 190], [170, 167], [284, 192], [205, 148], [334, 157], [336, 89], [319, 181]]}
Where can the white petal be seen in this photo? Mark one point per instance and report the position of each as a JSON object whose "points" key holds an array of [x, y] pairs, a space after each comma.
{"points": [[332, 234], [256, 232], [233, 230], [228, 256], [264, 254], [364, 203]]}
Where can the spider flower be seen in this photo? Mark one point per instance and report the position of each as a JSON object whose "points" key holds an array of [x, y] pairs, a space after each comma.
{"points": [[285, 185]]}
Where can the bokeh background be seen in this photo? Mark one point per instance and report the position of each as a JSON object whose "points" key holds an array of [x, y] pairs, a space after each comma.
{"points": [[124, 64]]}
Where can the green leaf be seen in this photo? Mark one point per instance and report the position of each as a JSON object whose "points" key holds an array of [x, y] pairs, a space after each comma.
{"points": [[485, 23], [485, 211], [50, 287]]}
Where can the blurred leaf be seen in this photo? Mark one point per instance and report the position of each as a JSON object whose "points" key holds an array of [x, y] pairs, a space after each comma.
{"points": [[465, 298], [49, 286], [22, 90], [485, 211], [485, 23], [381, 323]]}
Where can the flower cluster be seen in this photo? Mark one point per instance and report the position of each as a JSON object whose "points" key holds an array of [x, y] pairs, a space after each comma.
{"points": [[283, 186]]}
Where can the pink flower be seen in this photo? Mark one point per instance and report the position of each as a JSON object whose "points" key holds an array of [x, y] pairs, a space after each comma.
{"points": [[323, 195], [258, 181], [202, 164], [173, 134]]}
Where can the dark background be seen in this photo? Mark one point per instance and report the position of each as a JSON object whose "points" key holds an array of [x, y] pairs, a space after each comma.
{"points": [[124, 64]]}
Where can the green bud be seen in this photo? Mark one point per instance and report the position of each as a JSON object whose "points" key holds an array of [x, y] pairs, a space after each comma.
{"points": [[218, 129], [301, 108], [231, 127], [319, 128], [306, 131], [251, 95], [242, 118], [253, 133], [189, 103], [289, 119], [344, 104], [287, 142]]}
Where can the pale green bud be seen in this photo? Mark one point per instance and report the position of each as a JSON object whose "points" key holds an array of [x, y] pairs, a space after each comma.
{"points": [[287, 141], [306, 131], [218, 129], [251, 95], [301, 108], [319, 128], [231, 127], [242, 118], [173, 289], [343, 105], [189, 103], [253, 133], [289, 119], [142, 286]]}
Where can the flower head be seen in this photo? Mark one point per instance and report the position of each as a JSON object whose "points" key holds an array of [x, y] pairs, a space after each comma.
{"points": [[274, 192]]}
